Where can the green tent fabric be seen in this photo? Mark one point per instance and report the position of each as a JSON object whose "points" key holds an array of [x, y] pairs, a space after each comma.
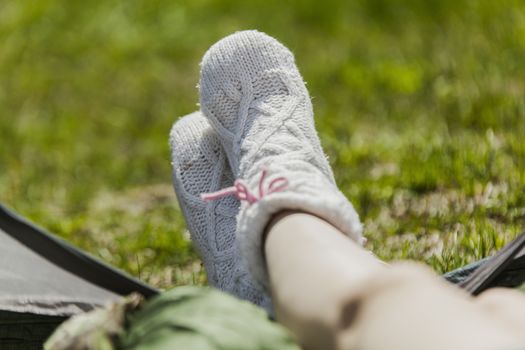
{"points": [[189, 318], [204, 319]]}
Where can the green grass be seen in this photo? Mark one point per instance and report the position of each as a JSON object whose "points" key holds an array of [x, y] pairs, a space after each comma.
{"points": [[419, 104]]}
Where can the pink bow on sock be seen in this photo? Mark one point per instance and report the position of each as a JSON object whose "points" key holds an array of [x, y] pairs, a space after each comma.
{"points": [[243, 193]]}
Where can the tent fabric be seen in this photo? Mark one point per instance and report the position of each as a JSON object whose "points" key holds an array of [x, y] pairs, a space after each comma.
{"points": [[512, 277], [504, 269], [65, 257], [25, 331], [197, 318], [32, 284], [44, 280]]}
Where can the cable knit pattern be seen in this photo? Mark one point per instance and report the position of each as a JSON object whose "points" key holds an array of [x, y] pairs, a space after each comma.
{"points": [[256, 101], [199, 165]]}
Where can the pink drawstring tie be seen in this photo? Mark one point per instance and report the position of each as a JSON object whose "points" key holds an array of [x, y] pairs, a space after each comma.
{"points": [[242, 192]]}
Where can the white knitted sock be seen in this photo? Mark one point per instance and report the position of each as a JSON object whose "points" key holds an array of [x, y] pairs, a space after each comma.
{"points": [[199, 165], [255, 99]]}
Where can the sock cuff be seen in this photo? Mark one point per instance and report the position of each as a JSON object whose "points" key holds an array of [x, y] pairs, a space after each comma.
{"points": [[331, 206]]}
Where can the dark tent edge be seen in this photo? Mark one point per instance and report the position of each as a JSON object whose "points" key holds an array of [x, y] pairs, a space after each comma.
{"points": [[70, 258]]}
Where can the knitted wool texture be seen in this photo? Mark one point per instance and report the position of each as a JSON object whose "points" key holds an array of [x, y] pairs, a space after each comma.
{"points": [[256, 101], [199, 165]]}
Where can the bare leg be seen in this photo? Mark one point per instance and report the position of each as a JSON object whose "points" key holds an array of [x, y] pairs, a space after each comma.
{"points": [[332, 294], [508, 305]]}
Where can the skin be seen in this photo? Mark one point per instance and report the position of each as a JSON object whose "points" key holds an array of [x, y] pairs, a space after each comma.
{"points": [[333, 294]]}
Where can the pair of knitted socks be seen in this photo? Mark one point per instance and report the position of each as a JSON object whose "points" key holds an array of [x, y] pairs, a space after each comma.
{"points": [[249, 153]]}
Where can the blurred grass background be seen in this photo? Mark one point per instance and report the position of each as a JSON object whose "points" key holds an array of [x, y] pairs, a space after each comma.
{"points": [[419, 104]]}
